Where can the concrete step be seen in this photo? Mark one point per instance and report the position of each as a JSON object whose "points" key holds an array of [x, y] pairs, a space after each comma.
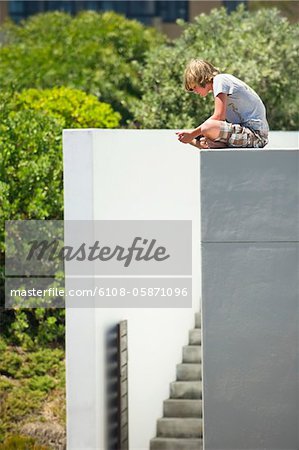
{"points": [[192, 354], [188, 372], [186, 389], [179, 428], [175, 444], [195, 336], [198, 320], [182, 408]]}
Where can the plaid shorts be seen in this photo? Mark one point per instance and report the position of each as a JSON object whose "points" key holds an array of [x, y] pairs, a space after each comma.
{"points": [[236, 135]]}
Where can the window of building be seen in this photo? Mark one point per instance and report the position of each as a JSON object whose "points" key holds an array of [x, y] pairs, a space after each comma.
{"points": [[66, 6], [143, 10], [170, 11], [16, 10], [232, 5]]}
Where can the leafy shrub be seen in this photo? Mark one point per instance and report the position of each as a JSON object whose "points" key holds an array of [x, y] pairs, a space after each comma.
{"points": [[261, 48], [31, 153], [20, 402], [31, 382], [31, 187], [41, 383], [31, 169], [31, 174], [72, 108], [6, 385], [10, 363], [94, 52], [42, 362], [31, 328], [21, 443], [31, 177]]}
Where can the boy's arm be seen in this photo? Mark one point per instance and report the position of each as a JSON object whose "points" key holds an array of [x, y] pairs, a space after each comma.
{"points": [[186, 136], [220, 107]]}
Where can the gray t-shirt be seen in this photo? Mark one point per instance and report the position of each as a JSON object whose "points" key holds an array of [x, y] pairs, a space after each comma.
{"points": [[244, 106]]}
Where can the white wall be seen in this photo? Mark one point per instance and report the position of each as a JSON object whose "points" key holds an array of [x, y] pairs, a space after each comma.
{"points": [[127, 174], [283, 140], [250, 289]]}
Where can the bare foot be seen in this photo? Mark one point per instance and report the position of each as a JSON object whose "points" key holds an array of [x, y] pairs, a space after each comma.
{"points": [[202, 143]]}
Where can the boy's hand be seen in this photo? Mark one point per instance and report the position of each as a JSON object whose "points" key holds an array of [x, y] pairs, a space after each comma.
{"points": [[185, 136]]}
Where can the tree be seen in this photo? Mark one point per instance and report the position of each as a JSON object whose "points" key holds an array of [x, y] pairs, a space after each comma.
{"points": [[97, 53]]}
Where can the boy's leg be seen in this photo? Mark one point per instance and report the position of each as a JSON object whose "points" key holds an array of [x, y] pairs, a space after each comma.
{"points": [[211, 135], [215, 134], [240, 136], [224, 134], [211, 129]]}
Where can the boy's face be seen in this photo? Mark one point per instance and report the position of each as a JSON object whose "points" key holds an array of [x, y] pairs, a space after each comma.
{"points": [[202, 91]]}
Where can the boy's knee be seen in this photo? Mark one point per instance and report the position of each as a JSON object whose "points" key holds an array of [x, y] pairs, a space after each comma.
{"points": [[211, 129], [204, 128], [207, 127]]}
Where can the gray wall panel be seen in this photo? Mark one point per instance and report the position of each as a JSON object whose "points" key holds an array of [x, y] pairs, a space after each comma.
{"points": [[250, 195], [250, 290]]}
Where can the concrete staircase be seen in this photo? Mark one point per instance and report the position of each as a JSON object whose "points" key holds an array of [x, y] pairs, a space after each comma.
{"points": [[181, 425]]}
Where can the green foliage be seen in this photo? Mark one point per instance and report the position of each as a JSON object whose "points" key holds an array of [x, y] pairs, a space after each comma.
{"points": [[34, 327], [21, 443], [30, 380], [31, 174], [21, 402], [31, 186], [261, 48], [31, 152], [31, 164], [288, 8], [18, 363], [6, 385], [72, 108], [94, 52], [41, 383], [10, 363], [49, 326]]}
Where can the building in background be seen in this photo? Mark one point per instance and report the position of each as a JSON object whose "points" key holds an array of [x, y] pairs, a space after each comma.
{"points": [[159, 13]]}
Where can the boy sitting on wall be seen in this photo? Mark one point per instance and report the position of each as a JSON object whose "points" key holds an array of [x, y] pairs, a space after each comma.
{"points": [[239, 118]]}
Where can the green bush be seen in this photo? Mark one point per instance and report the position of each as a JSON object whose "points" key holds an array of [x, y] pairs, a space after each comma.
{"points": [[21, 443], [6, 385], [31, 186], [31, 166], [21, 402], [261, 48], [41, 363], [72, 108], [97, 53], [31, 148], [32, 328], [41, 383], [31, 382], [10, 363]]}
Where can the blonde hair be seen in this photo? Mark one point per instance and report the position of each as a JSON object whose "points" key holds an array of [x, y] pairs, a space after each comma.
{"points": [[198, 73]]}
